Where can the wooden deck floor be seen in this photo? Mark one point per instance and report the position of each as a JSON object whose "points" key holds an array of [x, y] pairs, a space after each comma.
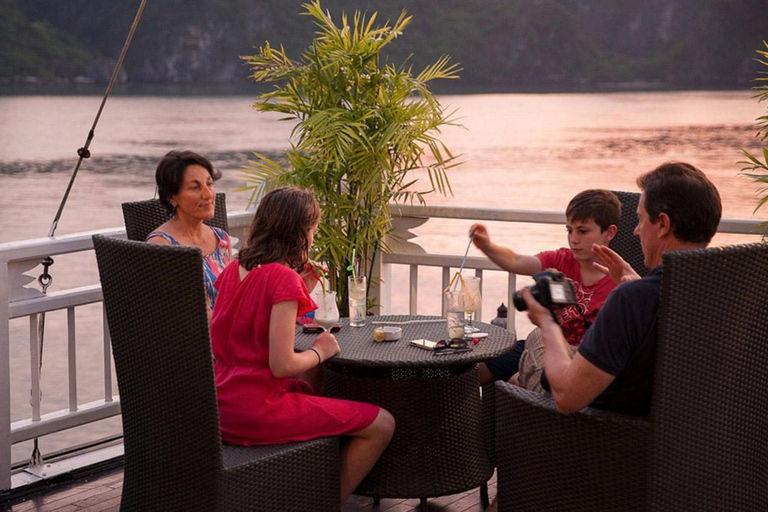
{"points": [[101, 493]]}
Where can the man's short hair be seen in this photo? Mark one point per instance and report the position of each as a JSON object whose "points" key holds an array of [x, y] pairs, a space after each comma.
{"points": [[687, 196], [599, 205]]}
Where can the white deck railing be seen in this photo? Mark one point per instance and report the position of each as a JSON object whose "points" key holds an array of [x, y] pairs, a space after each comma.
{"points": [[19, 301]]}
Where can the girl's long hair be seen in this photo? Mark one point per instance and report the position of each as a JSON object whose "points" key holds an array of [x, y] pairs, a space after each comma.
{"points": [[280, 228]]}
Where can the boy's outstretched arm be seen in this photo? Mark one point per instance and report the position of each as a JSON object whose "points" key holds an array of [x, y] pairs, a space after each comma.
{"points": [[504, 257]]}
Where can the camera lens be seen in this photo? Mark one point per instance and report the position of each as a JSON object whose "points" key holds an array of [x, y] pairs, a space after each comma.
{"points": [[519, 302]]}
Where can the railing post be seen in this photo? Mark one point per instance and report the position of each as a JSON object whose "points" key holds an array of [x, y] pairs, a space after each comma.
{"points": [[383, 294], [34, 365], [413, 304], [446, 281], [479, 312], [72, 358], [378, 283], [5, 380], [511, 288]]}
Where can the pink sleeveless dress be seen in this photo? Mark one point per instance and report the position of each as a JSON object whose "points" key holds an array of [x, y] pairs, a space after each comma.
{"points": [[255, 407]]}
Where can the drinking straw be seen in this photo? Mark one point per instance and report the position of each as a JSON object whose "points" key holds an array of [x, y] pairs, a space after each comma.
{"points": [[464, 260], [408, 322], [353, 265], [454, 280], [319, 272]]}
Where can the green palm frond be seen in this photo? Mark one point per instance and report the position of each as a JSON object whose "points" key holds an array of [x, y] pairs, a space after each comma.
{"points": [[439, 70], [753, 167], [361, 129], [262, 174]]}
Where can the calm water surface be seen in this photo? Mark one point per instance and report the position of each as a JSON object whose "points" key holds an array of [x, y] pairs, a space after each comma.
{"points": [[519, 151]]}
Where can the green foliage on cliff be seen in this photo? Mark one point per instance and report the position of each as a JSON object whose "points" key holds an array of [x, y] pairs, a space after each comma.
{"points": [[36, 48], [502, 44]]}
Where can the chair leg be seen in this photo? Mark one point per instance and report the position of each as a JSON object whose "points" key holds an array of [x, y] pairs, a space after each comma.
{"points": [[423, 504], [484, 496]]}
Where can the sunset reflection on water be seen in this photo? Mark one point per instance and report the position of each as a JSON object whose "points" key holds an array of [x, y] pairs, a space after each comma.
{"points": [[520, 151]]}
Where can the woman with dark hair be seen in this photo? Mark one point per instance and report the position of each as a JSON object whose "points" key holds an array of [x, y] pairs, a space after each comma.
{"points": [[252, 335], [185, 186]]}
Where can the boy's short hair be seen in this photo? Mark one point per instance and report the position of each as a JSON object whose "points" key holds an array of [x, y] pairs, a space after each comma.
{"points": [[599, 205]]}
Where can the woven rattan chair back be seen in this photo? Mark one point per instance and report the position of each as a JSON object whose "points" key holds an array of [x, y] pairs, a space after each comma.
{"points": [[174, 460], [626, 244], [710, 397], [143, 217], [703, 447], [155, 305]]}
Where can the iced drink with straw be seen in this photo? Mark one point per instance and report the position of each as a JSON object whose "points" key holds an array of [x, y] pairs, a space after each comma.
{"points": [[356, 287]]}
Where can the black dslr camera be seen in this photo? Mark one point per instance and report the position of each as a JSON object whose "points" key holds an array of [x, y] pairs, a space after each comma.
{"points": [[552, 290]]}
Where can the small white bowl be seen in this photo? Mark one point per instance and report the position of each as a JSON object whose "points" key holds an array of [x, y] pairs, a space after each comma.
{"points": [[392, 333]]}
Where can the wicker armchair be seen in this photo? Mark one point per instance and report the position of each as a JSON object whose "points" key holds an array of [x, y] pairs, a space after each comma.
{"points": [[174, 459], [143, 217], [625, 242], [703, 447]]}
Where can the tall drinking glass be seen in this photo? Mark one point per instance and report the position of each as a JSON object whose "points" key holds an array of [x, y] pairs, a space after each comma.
{"points": [[454, 313], [327, 313], [472, 302], [356, 287]]}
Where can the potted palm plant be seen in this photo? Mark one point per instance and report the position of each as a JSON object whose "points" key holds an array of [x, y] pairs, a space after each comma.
{"points": [[362, 128], [753, 166]]}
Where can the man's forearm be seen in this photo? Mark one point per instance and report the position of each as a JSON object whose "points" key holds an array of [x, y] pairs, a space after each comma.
{"points": [[574, 383]]}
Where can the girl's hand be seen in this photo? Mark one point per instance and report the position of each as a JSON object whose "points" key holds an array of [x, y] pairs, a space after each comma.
{"points": [[312, 273], [611, 264], [326, 344]]}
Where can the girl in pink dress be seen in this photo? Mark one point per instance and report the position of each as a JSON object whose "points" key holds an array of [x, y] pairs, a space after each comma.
{"points": [[252, 336]]}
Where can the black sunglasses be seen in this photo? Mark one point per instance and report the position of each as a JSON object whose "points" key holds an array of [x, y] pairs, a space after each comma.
{"points": [[451, 346]]}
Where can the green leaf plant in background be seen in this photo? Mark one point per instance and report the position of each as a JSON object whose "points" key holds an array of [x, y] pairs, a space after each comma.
{"points": [[753, 166], [363, 129]]}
